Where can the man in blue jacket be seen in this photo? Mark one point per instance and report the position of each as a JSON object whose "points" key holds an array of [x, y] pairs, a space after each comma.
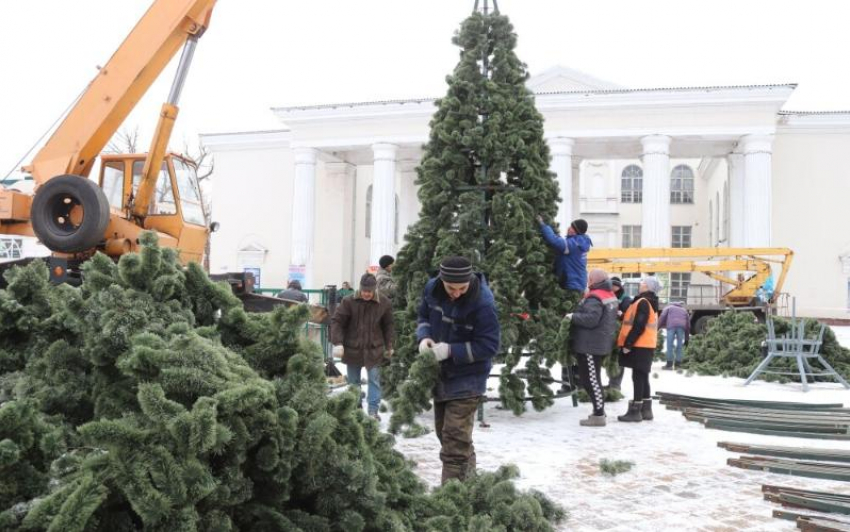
{"points": [[570, 265], [458, 325]]}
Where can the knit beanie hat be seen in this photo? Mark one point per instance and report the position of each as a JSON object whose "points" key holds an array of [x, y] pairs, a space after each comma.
{"points": [[456, 270], [616, 281], [385, 261], [368, 282], [652, 283], [597, 276], [580, 226]]}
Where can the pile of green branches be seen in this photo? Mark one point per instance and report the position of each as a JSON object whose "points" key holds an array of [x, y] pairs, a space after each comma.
{"points": [[732, 345], [148, 399]]}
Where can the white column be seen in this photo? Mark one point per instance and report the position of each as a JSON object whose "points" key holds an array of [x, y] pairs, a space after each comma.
{"points": [[735, 162], [383, 202], [758, 191], [304, 213], [655, 210], [576, 179], [562, 166]]}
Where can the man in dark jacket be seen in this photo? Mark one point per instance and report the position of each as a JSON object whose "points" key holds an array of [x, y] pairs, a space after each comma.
{"points": [[616, 381], [570, 266], [592, 330], [458, 325], [386, 283], [293, 292], [362, 334]]}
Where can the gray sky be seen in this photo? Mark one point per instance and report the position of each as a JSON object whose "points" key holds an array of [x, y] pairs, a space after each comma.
{"points": [[263, 53]]}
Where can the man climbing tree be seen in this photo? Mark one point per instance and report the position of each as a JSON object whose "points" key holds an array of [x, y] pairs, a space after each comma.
{"points": [[483, 179], [570, 267]]}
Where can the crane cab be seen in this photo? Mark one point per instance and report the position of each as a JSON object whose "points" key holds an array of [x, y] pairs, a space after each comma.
{"points": [[176, 209]]}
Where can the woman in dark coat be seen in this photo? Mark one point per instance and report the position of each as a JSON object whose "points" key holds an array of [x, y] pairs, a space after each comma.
{"points": [[637, 341]]}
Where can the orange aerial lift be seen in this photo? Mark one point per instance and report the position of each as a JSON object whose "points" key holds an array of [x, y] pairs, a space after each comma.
{"points": [[742, 270]]}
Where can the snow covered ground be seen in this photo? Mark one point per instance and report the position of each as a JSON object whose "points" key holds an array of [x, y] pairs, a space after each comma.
{"points": [[680, 480]]}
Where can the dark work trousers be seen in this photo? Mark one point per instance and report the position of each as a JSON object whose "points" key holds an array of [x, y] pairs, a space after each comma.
{"points": [[453, 421], [640, 379], [589, 367]]}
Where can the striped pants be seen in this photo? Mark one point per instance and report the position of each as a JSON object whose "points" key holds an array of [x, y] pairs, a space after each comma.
{"points": [[590, 367]]}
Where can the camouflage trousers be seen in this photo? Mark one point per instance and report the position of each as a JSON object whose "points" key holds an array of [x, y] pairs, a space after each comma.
{"points": [[453, 421]]}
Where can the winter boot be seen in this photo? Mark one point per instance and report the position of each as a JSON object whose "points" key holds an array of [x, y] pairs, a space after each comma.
{"points": [[593, 421], [646, 410], [634, 412], [669, 365]]}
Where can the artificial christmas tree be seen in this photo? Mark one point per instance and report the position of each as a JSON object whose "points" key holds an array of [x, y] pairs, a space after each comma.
{"points": [[130, 406], [483, 180]]}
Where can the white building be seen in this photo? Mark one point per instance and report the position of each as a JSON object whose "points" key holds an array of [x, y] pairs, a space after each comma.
{"points": [[333, 190]]}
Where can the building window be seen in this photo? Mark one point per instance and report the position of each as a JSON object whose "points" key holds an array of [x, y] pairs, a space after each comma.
{"points": [[631, 236], [11, 248], [631, 283], [369, 214], [681, 236], [631, 184], [682, 184], [679, 286]]}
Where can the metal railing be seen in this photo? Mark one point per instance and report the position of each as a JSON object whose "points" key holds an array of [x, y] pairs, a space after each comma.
{"points": [[318, 332]]}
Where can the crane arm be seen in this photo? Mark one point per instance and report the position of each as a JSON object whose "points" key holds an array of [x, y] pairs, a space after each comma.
{"points": [[118, 87]]}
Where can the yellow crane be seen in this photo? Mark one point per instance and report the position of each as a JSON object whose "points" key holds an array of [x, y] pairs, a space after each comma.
{"points": [[75, 216], [742, 271]]}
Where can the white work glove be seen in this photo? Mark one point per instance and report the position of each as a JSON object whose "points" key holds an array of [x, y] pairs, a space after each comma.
{"points": [[441, 351], [568, 316], [426, 344], [337, 351]]}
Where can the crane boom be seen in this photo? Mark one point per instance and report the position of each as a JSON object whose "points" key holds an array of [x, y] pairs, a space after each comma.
{"points": [[118, 87]]}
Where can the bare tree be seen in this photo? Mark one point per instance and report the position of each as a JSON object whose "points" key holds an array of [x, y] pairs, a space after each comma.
{"points": [[203, 159], [124, 141]]}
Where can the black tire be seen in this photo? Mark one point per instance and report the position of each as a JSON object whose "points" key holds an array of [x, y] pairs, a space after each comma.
{"points": [[701, 324], [51, 209]]}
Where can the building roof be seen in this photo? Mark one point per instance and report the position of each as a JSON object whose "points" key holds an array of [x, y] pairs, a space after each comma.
{"points": [[549, 93], [813, 113]]}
